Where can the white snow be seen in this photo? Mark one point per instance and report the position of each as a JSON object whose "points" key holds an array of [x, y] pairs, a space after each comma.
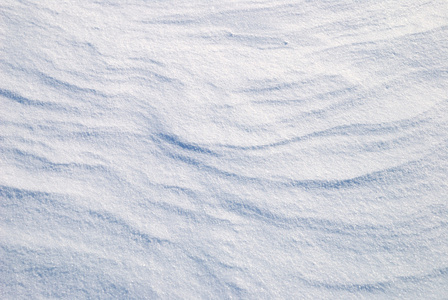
{"points": [[224, 149]]}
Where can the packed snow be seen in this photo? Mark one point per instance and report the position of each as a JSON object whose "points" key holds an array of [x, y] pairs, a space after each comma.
{"points": [[224, 149]]}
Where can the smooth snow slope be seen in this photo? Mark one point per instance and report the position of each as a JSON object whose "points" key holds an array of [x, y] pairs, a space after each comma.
{"points": [[224, 149]]}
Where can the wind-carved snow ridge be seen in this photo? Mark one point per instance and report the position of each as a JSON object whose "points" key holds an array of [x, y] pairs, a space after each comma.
{"points": [[224, 149]]}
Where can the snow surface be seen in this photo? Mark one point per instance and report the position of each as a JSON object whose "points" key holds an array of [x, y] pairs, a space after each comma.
{"points": [[224, 149]]}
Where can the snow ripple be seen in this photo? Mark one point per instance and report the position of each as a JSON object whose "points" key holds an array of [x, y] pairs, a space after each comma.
{"points": [[228, 149]]}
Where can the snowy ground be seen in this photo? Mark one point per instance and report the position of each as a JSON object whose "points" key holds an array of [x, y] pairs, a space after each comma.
{"points": [[224, 149]]}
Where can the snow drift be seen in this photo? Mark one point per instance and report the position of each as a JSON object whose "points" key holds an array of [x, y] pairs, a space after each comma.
{"points": [[224, 149]]}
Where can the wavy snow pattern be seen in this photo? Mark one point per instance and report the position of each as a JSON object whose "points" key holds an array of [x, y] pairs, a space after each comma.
{"points": [[224, 149]]}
